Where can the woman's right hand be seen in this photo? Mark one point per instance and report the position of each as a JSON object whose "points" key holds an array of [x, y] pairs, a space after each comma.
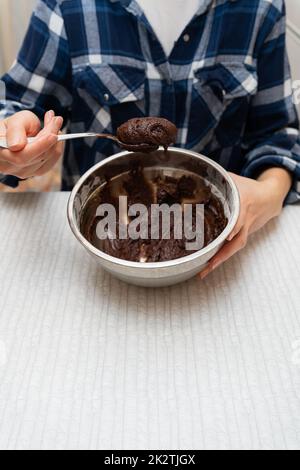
{"points": [[27, 160]]}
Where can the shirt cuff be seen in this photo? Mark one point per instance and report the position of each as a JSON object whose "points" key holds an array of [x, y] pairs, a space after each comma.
{"points": [[11, 181], [257, 166]]}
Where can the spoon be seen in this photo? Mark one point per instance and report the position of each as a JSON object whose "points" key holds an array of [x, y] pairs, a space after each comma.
{"points": [[63, 137]]}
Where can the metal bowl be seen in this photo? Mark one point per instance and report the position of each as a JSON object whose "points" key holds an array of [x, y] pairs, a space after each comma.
{"points": [[173, 163]]}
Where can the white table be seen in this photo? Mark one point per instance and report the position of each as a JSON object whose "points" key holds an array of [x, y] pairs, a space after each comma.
{"points": [[87, 362]]}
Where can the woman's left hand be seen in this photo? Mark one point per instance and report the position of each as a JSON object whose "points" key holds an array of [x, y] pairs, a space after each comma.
{"points": [[261, 201]]}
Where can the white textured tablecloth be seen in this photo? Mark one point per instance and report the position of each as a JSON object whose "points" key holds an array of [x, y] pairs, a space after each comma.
{"points": [[87, 362]]}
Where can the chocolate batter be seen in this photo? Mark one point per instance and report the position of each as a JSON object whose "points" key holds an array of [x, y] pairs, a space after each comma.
{"points": [[150, 130], [158, 190]]}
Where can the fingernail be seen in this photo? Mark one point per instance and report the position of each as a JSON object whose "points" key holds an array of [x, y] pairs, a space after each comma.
{"points": [[58, 121], [210, 269], [204, 275], [14, 142], [49, 116]]}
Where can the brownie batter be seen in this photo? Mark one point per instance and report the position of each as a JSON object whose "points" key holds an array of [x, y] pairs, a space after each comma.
{"points": [[159, 190], [150, 130]]}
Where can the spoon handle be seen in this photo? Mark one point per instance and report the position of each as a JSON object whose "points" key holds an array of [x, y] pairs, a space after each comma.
{"points": [[62, 138]]}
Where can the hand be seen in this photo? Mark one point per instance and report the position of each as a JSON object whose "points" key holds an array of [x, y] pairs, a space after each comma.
{"points": [[261, 201], [27, 160]]}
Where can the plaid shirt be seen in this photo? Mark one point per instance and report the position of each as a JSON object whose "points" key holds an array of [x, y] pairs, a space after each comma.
{"points": [[226, 84]]}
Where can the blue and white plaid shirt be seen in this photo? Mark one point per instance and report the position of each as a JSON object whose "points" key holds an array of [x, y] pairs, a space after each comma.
{"points": [[226, 84]]}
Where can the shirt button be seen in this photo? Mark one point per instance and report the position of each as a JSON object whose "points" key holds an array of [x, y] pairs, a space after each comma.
{"points": [[106, 96], [186, 38]]}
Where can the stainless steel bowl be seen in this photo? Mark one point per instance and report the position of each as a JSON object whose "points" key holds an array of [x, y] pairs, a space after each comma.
{"points": [[176, 161]]}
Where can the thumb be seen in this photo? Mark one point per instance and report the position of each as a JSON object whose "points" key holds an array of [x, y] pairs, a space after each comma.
{"points": [[19, 127]]}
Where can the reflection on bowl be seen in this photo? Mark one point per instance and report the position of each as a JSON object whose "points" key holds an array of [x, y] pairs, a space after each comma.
{"points": [[176, 162]]}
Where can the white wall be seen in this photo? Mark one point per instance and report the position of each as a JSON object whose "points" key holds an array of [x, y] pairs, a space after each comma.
{"points": [[14, 18], [293, 37]]}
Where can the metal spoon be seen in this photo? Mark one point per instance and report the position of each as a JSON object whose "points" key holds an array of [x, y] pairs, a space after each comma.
{"points": [[63, 137]]}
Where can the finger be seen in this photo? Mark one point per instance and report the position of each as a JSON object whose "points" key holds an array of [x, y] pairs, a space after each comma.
{"points": [[239, 225], [53, 126], [19, 127], [48, 117], [31, 151], [228, 250], [236, 230]]}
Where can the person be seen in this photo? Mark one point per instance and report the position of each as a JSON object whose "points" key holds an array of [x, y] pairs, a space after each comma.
{"points": [[217, 68]]}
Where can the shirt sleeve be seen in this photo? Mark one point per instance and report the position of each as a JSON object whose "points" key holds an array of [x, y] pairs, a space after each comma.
{"points": [[41, 77], [272, 136]]}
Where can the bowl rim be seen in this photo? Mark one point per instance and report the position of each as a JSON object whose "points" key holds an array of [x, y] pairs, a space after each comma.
{"points": [[159, 264]]}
